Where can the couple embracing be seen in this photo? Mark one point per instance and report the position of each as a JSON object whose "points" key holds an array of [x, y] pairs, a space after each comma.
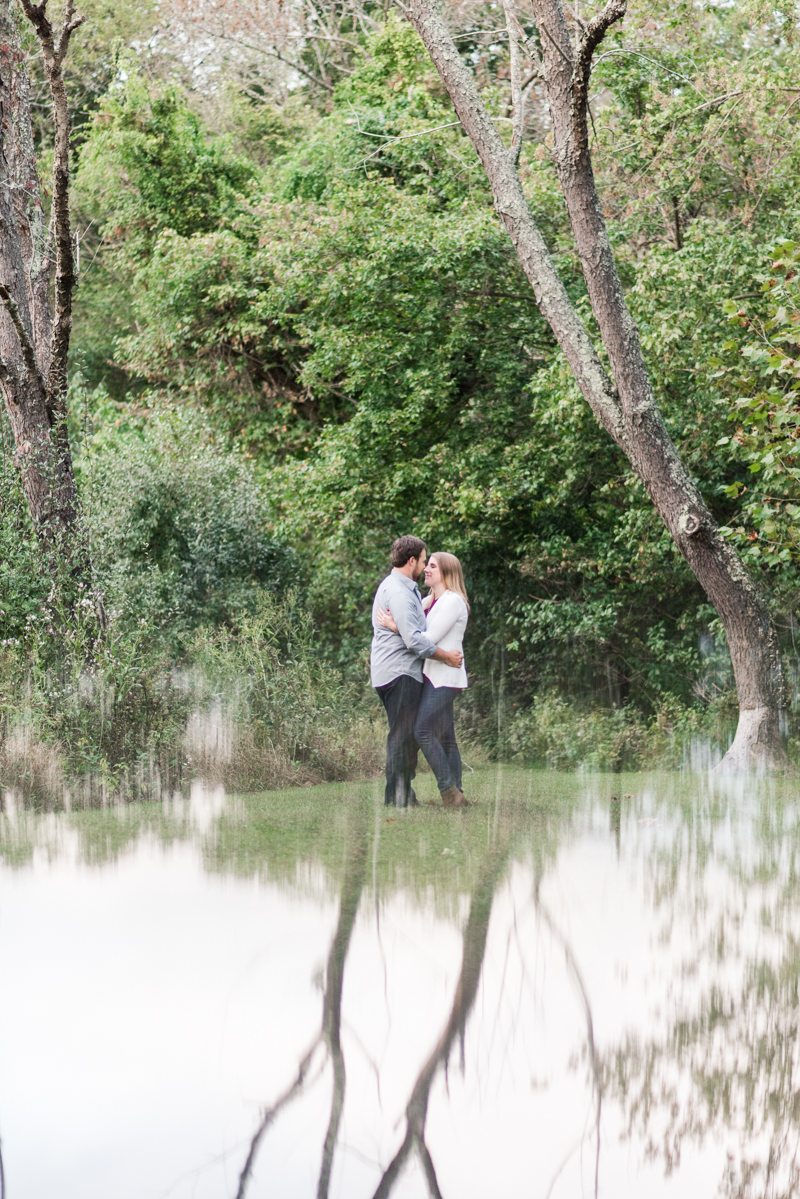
{"points": [[417, 668]]}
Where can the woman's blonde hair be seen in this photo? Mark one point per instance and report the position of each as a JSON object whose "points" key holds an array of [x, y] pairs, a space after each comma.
{"points": [[452, 574]]}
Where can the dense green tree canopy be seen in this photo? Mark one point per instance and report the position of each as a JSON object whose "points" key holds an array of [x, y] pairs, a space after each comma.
{"points": [[326, 278]]}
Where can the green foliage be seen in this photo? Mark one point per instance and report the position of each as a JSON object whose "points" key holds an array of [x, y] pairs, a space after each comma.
{"points": [[393, 120], [148, 159], [562, 736], [23, 584], [78, 704], [176, 524], [107, 715], [294, 704], [758, 369], [145, 167], [345, 307], [700, 120]]}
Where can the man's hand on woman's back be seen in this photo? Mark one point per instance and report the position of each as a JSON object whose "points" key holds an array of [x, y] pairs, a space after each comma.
{"points": [[450, 657]]}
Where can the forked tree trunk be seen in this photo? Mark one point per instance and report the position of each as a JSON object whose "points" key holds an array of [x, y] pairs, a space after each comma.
{"points": [[34, 348], [625, 404]]}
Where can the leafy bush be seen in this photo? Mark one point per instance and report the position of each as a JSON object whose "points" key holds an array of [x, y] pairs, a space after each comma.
{"points": [[177, 525], [100, 712], [177, 529], [296, 718], [148, 151], [562, 736], [23, 585], [759, 367]]}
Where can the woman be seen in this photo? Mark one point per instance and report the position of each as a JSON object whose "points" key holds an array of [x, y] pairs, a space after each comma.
{"points": [[447, 613]]}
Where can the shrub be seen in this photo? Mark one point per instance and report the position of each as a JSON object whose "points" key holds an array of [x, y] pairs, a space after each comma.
{"points": [[100, 712], [178, 525], [559, 734], [294, 717], [23, 585]]}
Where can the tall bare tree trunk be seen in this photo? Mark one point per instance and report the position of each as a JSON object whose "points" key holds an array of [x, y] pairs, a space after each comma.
{"points": [[34, 347], [625, 404]]}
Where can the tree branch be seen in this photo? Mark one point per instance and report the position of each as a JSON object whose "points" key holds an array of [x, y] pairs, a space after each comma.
{"points": [[273, 52], [531, 49], [517, 98], [430, 1170], [352, 887], [519, 223], [475, 935], [597, 1081], [270, 1115], [26, 345], [54, 54], [330, 1033], [593, 35]]}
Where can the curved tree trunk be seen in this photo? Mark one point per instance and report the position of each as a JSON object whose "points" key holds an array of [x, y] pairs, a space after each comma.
{"points": [[34, 348], [625, 405]]}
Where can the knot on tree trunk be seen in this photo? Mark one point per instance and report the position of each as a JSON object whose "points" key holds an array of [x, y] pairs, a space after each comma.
{"points": [[689, 524]]}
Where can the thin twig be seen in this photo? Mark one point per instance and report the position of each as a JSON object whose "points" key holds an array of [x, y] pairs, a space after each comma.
{"points": [[587, 1007], [401, 138]]}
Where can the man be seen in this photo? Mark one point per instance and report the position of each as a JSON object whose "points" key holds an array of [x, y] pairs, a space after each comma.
{"points": [[396, 664]]}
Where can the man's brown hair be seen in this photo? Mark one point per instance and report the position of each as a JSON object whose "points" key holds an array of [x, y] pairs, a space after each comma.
{"points": [[406, 548]]}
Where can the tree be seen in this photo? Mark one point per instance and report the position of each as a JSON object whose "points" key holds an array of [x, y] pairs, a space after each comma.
{"points": [[34, 333], [623, 401], [265, 47]]}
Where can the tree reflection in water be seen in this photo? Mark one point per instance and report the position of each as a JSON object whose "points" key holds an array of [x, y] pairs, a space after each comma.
{"points": [[725, 1069], [329, 1037], [607, 966], [472, 963], [594, 1060], [327, 1043], [717, 1063]]}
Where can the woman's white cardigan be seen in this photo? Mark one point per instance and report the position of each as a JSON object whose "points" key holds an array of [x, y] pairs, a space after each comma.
{"points": [[446, 625]]}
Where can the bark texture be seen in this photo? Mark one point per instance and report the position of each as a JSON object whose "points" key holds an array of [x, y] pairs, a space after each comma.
{"points": [[624, 404], [33, 345]]}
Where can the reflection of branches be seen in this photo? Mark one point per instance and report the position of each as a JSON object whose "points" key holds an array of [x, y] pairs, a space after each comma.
{"points": [[332, 1010], [576, 974], [271, 1113], [728, 1069], [466, 990], [329, 1035]]}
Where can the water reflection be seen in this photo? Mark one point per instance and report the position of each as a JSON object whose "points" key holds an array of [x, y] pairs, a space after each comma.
{"points": [[416, 1111], [721, 1063], [579, 986], [355, 850]]}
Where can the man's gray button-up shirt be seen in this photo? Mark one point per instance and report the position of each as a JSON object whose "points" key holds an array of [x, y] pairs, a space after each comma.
{"points": [[402, 652]]}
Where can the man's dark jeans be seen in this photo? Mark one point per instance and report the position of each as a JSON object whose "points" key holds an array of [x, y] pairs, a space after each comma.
{"points": [[401, 700], [436, 735]]}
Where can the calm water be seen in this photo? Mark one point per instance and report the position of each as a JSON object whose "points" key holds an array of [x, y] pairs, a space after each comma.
{"points": [[579, 986]]}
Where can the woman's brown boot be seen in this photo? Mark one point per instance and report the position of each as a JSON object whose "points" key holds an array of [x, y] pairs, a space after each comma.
{"points": [[453, 798]]}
